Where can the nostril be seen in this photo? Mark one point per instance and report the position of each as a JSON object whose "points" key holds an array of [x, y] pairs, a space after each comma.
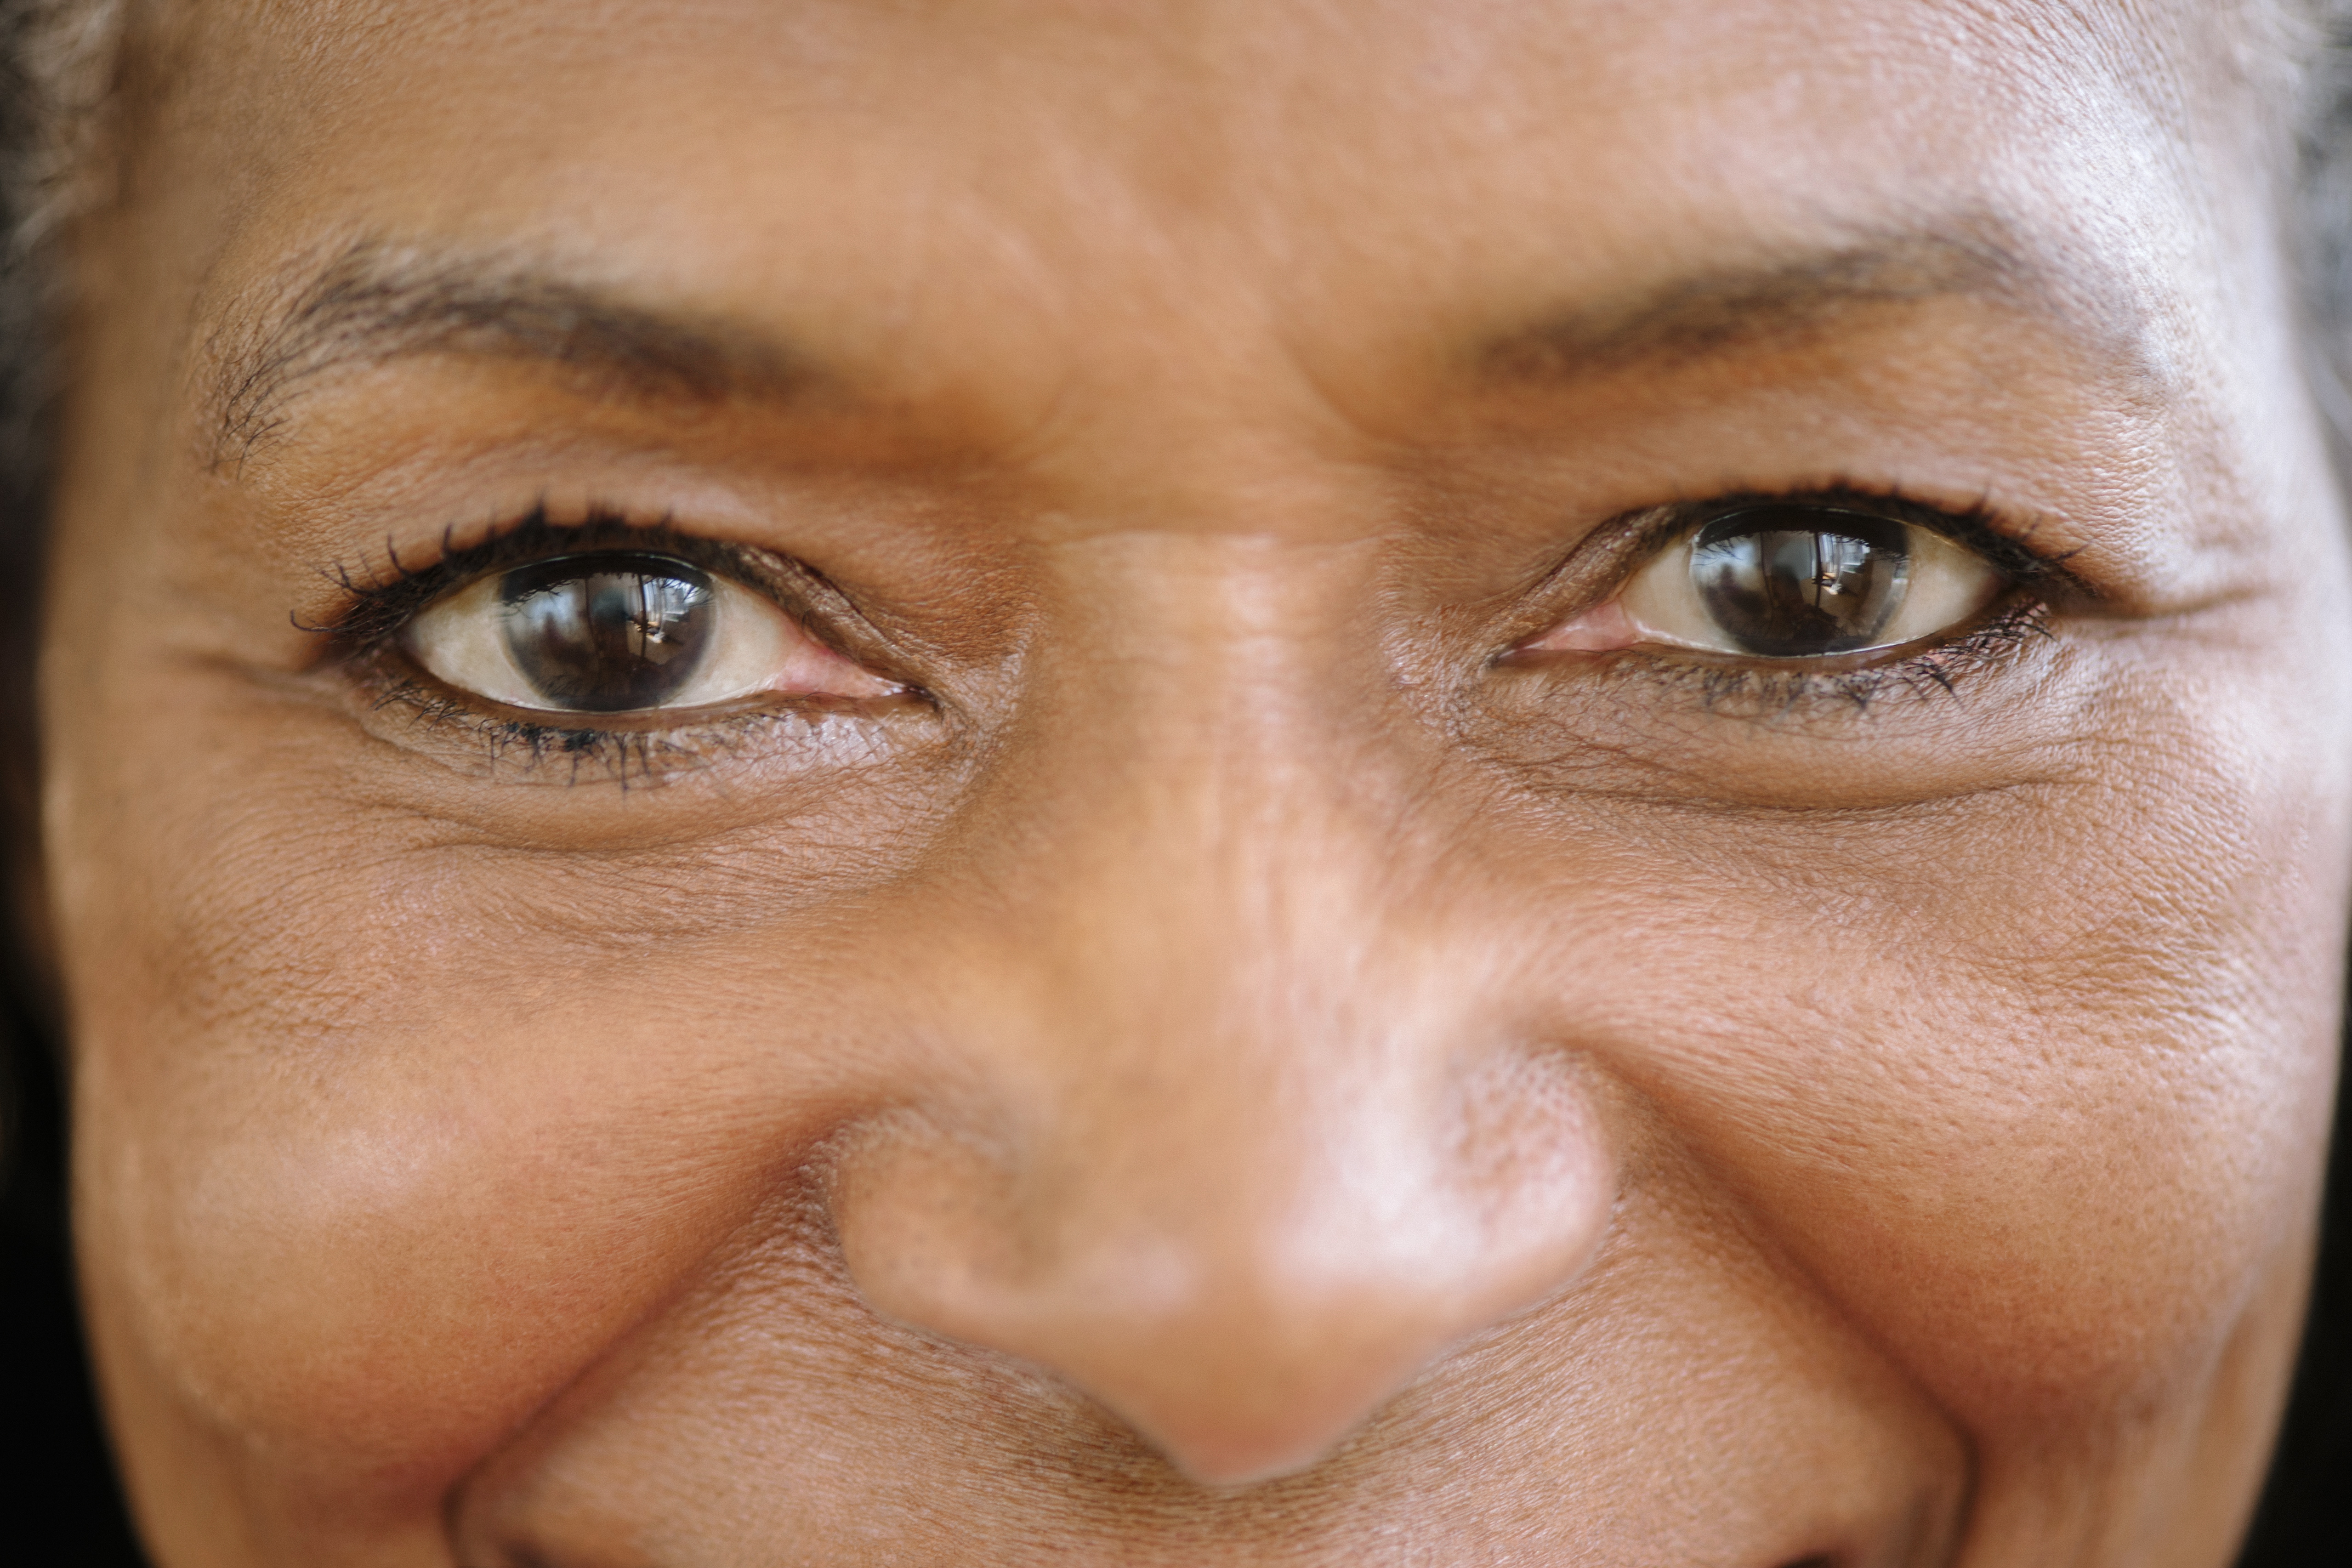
{"points": [[1240, 1269]]}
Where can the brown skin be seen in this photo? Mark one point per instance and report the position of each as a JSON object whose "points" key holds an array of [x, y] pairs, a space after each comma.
{"points": [[1232, 1066]]}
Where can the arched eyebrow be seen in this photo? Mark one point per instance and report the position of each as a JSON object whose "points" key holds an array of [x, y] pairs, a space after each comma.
{"points": [[375, 303], [1776, 299]]}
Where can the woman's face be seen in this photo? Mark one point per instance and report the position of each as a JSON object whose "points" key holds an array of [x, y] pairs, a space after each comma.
{"points": [[1234, 783]]}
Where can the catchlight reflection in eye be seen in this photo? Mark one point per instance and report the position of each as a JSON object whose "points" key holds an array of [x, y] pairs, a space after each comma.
{"points": [[1791, 581], [622, 632]]}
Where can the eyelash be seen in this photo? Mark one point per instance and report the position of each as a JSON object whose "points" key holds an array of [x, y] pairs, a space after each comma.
{"points": [[1976, 526], [1934, 672], [382, 600]]}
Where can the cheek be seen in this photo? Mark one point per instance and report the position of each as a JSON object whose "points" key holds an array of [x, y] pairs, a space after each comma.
{"points": [[376, 1266], [373, 1160], [2037, 1086]]}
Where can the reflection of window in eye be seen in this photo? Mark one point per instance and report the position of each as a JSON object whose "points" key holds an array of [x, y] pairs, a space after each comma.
{"points": [[617, 631], [1794, 580], [593, 635]]}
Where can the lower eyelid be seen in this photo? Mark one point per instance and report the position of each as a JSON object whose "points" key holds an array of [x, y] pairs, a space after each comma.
{"points": [[1938, 670], [540, 747], [395, 700]]}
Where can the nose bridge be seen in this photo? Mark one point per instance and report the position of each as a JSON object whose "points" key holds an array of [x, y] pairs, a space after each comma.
{"points": [[1196, 926], [1208, 741], [1223, 855], [1217, 1006], [1226, 1151]]}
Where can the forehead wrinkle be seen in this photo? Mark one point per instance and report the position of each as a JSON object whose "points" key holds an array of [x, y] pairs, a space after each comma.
{"points": [[374, 302]]}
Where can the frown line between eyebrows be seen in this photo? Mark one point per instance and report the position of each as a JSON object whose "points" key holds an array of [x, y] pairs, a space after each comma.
{"points": [[375, 301]]}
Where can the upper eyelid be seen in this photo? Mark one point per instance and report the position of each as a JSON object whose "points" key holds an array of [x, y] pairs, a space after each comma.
{"points": [[378, 602], [376, 607], [1980, 528]]}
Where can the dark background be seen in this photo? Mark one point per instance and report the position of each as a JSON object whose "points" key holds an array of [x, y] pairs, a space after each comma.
{"points": [[59, 1507]]}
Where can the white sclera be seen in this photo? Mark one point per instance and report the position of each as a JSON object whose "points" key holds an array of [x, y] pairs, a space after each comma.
{"points": [[1948, 587], [753, 648]]}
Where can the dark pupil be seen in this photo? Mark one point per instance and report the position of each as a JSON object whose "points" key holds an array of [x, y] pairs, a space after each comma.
{"points": [[602, 634], [1789, 582]]}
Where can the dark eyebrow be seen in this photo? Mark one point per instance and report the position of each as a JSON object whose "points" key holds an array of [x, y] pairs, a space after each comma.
{"points": [[374, 302], [1785, 298]]}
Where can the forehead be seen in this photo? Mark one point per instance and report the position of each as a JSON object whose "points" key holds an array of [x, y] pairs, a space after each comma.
{"points": [[1240, 77], [1231, 158]]}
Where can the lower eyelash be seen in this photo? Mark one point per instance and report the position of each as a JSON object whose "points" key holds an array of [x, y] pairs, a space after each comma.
{"points": [[1936, 673], [614, 754], [587, 754]]}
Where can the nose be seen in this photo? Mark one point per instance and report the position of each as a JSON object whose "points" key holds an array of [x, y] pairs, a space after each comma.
{"points": [[1236, 1124]]}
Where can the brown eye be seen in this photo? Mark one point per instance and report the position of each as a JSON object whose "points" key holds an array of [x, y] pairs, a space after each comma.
{"points": [[1793, 582], [622, 632], [605, 634]]}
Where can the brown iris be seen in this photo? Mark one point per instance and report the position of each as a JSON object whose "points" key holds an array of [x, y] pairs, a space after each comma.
{"points": [[1800, 582], [604, 634]]}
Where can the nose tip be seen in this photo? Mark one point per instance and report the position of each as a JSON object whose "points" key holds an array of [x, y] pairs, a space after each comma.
{"points": [[1243, 1301]]}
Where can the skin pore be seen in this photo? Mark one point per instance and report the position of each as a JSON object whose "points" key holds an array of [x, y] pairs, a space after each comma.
{"points": [[1193, 1027]]}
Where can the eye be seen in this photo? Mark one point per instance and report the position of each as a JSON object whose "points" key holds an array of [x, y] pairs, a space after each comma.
{"points": [[1792, 581], [619, 632]]}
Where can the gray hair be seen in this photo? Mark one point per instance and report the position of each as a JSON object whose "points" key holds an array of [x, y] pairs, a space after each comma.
{"points": [[57, 63], [2322, 211]]}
